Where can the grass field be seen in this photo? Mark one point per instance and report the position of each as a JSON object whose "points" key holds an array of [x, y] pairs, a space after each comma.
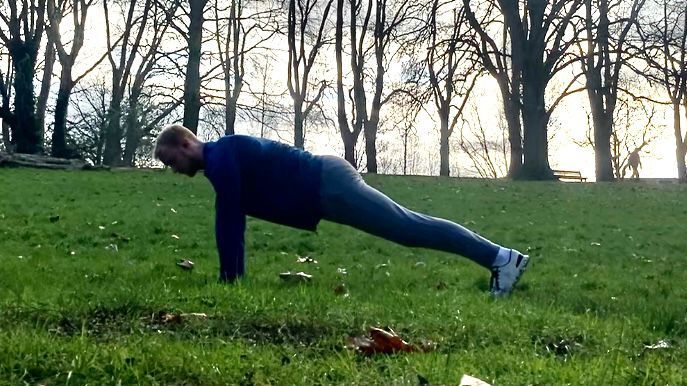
{"points": [[607, 278]]}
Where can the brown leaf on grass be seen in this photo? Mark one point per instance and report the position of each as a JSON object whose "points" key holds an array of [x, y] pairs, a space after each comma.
{"points": [[170, 318], [306, 259], [380, 341], [468, 380], [341, 289], [185, 264], [295, 276]]}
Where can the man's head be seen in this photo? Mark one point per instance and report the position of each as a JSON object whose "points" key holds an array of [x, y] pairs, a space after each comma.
{"points": [[178, 148]]}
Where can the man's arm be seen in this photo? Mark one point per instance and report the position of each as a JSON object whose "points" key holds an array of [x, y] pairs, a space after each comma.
{"points": [[230, 221], [230, 225]]}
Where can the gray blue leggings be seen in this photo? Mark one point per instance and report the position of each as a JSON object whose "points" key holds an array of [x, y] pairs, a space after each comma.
{"points": [[347, 199]]}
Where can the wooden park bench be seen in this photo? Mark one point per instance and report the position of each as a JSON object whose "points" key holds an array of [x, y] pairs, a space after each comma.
{"points": [[569, 175]]}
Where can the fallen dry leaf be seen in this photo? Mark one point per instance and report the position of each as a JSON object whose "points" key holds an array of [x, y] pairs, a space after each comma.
{"points": [[170, 317], [306, 259], [185, 264], [341, 289], [380, 341], [468, 380], [295, 276]]}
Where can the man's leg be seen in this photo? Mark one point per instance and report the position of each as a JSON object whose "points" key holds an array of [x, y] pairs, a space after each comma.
{"points": [[347, 199]]}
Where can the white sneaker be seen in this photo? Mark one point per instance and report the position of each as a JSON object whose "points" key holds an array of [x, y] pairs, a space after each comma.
{"points": [[503, 278]]}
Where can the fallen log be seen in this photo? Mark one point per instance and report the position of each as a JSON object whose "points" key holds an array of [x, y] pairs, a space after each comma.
{"points": [[44, 162]]}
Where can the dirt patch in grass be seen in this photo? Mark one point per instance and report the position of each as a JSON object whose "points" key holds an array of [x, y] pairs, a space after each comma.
{"points": [[104, 323]]}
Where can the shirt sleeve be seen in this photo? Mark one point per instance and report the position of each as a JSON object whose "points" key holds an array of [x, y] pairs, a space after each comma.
{"points": [[230, 221], [230, 226]]}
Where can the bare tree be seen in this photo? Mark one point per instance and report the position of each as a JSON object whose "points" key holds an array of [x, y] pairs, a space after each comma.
{"points": [[349, 135], [452, 74], [625, 140], [634, 128], [21, 31], [5, 94], [240, 34], [607, 25], [89, 119], [56, 12], [665, 52], [137, 50], [387, 21], [267, 110], [406, 109], [385, 31], [301, 15], [505, 70], [122, 64], [159, 101], [540, 40], [192, 82], [46, 83], [489, 156]]}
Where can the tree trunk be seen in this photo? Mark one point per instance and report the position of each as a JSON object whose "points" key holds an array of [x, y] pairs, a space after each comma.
{"points": [[133, 130], [112, 155], [344, 128], [349, 141], [511, 111], [535, 121], [6, 135], [444, 167], [371, 143], [405, 151], [27, 134], [512, 114], [229, 109], [372, 124], [45, 85], [192, 82], [603, 126], [680, 148], [59, 134], [298, 135]]}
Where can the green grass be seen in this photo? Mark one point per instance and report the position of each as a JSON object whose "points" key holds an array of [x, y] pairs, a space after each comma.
{"points": [[607, 277]]}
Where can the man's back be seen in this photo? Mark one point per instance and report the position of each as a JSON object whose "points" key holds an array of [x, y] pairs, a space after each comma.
{"points": [[270, 180]]}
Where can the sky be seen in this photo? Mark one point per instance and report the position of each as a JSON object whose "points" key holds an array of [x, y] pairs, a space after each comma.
{"points": [[569, 122]]}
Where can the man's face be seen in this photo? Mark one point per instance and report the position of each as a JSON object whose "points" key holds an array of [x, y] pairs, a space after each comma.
{"points": [[178, 158]]}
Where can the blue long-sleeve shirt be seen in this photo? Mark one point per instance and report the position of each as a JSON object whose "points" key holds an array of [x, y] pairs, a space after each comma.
{"points": [[263, 179]]}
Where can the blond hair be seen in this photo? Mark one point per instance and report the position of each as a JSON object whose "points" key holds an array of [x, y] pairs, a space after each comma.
{"points": [[172, 136]]}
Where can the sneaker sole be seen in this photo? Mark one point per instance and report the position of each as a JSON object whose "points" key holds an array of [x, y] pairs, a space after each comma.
{"points": [[521, 270]]}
